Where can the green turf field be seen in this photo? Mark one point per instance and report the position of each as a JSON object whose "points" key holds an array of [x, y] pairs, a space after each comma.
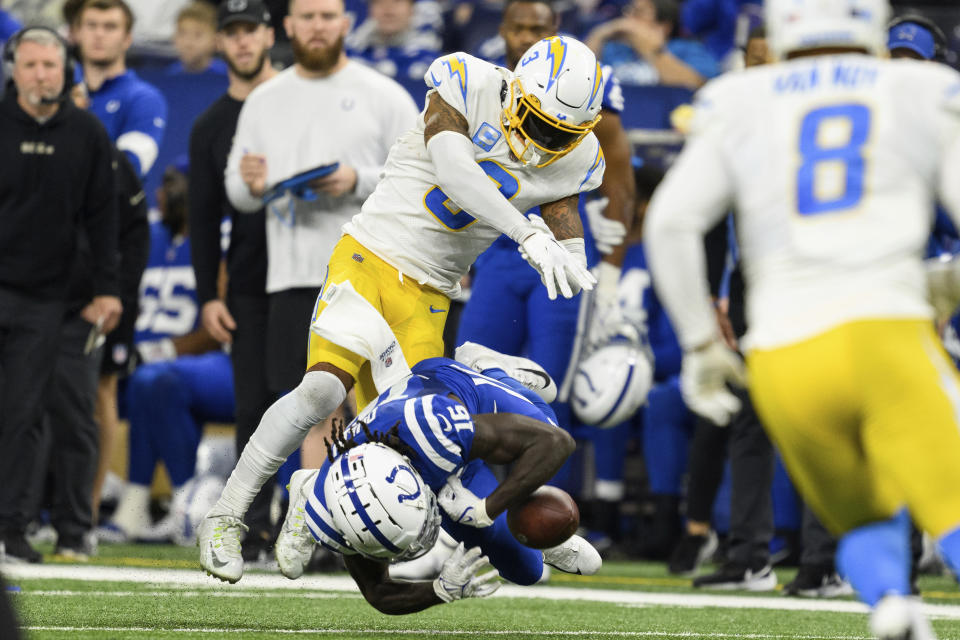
{"points": [[141, 592]]}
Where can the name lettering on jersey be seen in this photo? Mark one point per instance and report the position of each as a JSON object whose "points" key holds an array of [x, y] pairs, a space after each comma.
{"points": [[458, 69], [797, 81], [487, 136], [37, 148], [854, 75], [556, 54]]}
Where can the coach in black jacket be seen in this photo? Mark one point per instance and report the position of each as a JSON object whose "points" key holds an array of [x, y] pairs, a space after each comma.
{"points": [[56, 183]]}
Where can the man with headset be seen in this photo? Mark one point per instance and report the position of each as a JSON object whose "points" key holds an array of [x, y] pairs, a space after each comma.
{"points": [[48, 201]]}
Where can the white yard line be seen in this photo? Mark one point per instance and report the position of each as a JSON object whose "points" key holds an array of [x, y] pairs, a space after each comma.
{"points": [[181, 578], [458, 632]]}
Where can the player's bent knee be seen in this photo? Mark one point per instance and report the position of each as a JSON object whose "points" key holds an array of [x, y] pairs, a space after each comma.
{"points": [[314, 399], [345, 378]]}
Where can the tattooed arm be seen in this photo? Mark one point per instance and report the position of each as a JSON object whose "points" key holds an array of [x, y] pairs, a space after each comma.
{"points": [[563, 218], [441, 116]]}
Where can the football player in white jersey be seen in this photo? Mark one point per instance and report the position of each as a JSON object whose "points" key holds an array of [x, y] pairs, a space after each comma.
{"points": [[489, 145], [832, 160]]}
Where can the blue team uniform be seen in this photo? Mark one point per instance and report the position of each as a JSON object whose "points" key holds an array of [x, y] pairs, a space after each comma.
{"points": [[168, 402], [509, 311], [432, 425], [134, 114]]}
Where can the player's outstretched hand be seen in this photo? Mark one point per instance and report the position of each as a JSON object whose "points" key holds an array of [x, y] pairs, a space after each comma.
{"points": [[462, 505], [559, 268], [607, 234], [460, 576], [704, 375]]}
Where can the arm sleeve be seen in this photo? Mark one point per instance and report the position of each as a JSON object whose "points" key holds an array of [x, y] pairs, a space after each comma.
{"points": [[100, 218], [243, 142], [204, 204], [398, 116], [143, 128], [462, 179], [676, 222]]}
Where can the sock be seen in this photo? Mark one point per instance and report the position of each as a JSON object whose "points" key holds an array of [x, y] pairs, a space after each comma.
{"points": [[281, 431], [133, 510], [875, 558]]}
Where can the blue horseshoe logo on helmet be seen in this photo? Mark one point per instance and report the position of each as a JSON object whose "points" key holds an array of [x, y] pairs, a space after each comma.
{"points": [[393, 476]]}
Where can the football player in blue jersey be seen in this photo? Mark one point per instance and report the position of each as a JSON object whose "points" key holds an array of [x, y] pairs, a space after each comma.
{"points": [[527, 321], [184, 379], [133, 112], [416, 459]]}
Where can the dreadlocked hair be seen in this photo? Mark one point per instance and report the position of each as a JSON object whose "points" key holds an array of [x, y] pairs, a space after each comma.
{"points": [[340, 443]]}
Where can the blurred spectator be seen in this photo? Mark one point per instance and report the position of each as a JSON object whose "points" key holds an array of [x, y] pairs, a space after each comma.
{"points": [[717, 22], [57, 179], [244, 38], [184, 379], [190, 84], [133, 112], [643, 48], [196, 40], [389, 41], [914, 36]]}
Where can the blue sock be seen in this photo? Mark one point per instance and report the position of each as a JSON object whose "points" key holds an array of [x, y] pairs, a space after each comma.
{"points": [[875, 558], [950, 548]]}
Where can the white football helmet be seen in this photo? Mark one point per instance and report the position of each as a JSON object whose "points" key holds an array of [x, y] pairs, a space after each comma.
{"points": [[380, 504], [611, 384], [554, 102], [800, 25]]}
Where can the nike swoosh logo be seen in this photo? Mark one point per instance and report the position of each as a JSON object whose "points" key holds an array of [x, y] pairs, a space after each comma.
{"points": [[218, 564], [432, 310], [137, 199], [539, 374]]}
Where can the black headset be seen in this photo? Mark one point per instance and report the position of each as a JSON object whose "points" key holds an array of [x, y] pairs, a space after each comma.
{"points": [[69, 66], [939, 37]]}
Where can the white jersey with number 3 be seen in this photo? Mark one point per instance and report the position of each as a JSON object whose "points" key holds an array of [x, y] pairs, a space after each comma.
{"points": [[832, 165], [411, 223]]}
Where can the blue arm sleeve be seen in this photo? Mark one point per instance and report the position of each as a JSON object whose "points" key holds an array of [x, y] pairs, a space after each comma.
{"points": [[141, 134]]}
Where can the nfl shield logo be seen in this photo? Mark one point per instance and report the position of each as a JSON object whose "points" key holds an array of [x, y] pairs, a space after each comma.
{"points": [[388, 361]]}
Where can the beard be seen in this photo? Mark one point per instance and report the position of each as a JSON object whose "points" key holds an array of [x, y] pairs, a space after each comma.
{"points": [[317, 60], [248, 75]]}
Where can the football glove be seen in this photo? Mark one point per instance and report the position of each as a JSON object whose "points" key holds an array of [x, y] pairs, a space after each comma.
{"points": [[607, 234], [562, 265], [461, 505], [704, 374], [458, 578]]}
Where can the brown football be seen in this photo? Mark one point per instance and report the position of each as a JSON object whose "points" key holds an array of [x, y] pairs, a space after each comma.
{"points": [[545, 519]]}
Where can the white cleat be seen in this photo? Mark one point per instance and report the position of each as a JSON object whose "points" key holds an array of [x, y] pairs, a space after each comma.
{"points": [[899, 618], [218, 537], [523, 370], [576, 555], [295, 543]]}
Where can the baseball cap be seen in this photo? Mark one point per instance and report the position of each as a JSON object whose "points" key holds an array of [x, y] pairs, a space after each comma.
{"points": [[913, 36], [231, 11]]}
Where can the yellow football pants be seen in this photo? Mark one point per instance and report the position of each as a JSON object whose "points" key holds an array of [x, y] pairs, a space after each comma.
{"points": [[416, 313], [866, 418]]}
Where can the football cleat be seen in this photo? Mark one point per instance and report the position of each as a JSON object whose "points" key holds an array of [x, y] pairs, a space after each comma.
{"points": [[523, 370], [576, 555], [295, 543], [899, 618], [218, 537]]}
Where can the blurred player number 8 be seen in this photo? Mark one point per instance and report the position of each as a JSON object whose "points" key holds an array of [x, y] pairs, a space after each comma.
{"points": [[449, 212], [831, 145]]}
